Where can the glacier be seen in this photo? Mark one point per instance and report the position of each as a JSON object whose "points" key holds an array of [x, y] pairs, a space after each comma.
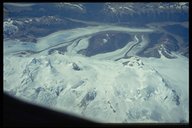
{"points": [[113, 87]]}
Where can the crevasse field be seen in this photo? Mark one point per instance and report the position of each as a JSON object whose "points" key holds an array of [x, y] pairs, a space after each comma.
{"points": [[113, 87]]}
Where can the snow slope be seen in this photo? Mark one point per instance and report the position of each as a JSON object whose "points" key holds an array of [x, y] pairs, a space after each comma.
{"points": [[129, 90]]}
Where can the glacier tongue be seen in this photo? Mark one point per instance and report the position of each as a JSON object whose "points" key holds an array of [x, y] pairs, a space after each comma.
{"points": [[128, 90]]}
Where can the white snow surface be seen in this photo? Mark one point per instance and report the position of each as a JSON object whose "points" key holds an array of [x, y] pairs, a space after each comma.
{"points": [[130, 90], [102, 90]]}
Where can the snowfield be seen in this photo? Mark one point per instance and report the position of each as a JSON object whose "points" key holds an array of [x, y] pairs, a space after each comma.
{"points": [[128, 90]]}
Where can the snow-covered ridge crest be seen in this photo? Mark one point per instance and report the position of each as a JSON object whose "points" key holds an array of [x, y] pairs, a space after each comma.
{"points": [[128, 90]]}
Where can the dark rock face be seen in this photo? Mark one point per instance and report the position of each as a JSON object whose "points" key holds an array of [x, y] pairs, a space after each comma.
{"points": [[170, 43], [107, 42], [168, 54], [176, 97], [76, 67], [180, 31], [90, 96], [166, 43], [150, 53]]}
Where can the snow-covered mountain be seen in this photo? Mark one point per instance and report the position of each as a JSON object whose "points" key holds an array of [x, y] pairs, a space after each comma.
{"points": [[104, 12], [114, 73], [170, 21], [128, 90], [116, 86]]}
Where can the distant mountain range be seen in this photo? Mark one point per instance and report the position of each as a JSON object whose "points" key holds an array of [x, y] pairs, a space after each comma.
{"points": [[107, 62], [30, 21], [105, 12]]}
